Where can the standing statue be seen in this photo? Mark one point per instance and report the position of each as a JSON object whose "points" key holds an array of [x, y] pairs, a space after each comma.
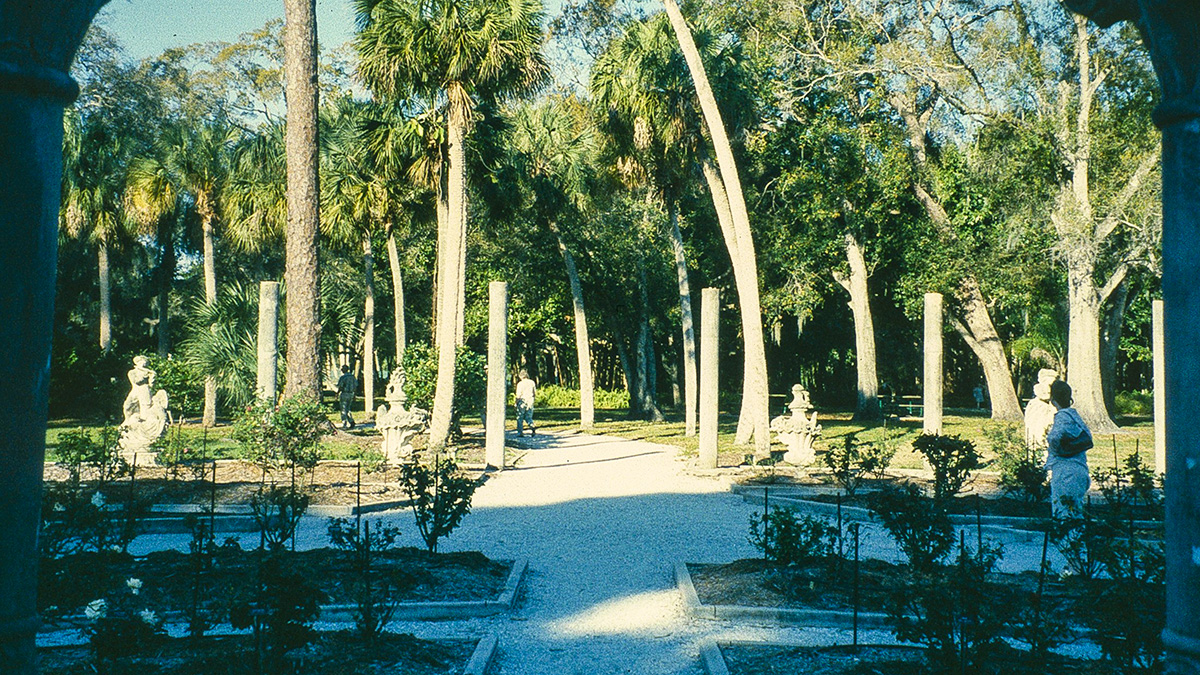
{"points": [[397, 423], [146, 415], [798, 431], [1039, 413]]}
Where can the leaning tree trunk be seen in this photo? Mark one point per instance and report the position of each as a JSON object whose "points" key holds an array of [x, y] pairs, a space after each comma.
{"points": [[166, 276], [210, 298], [451, 285], [976, 328], [864, 331], [303, 304], [583, 351], [369, 327], [690, 388], [397, 298], [105, 294], [756, 354], [1083, 351]]}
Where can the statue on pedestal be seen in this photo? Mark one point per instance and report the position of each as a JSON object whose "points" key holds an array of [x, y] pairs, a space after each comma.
{"points": [[397, 423], [146, 415], [798, 431], [1039, 412]]}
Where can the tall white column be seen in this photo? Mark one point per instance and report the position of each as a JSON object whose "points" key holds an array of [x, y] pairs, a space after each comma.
{"points": [[932, 416], [710, 321], [497, 390], [268, 340]]}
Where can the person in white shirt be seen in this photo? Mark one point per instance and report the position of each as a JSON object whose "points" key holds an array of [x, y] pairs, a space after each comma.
{"points": [[524, 395]]}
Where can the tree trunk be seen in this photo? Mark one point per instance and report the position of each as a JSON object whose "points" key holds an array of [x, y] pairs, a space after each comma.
{"points": [[648, 404], [864, 331], [979, 333], [752, 328], [1083, 351], [166, 276], [397, 298], [690, 388], [583, 351], [630, 375], [369, 328], [303, 304], [460, 300], [745, 423], [451, 285], [210, 297], [1110, 341], [105, 294]]}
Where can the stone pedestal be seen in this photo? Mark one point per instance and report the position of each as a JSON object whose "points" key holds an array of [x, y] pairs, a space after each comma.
{"points": [[931, 417], [1160, 389], [268, 339], [497, 390], [710, 321], [39, 41]]}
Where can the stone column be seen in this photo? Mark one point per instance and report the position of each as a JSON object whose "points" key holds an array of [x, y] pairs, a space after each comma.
{"points": [[1171, 30], [710, 321], [268, 339], [39, 40], [932, 405], [1160, 390], [497, 390]]}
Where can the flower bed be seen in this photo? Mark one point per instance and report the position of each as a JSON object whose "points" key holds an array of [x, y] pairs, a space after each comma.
{"points": [[754, 659]]}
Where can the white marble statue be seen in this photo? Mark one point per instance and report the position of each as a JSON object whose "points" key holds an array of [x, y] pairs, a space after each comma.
{"points": [[146, 415], [397, 423], [798, 430], [1039, 412]]}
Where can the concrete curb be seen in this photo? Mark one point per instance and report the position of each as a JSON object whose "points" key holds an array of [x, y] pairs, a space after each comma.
{"points": [[711, 658], [171, 518], [448, 610], [483, 656], [777, 615]]}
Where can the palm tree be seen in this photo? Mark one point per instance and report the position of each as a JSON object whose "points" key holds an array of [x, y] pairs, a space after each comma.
{"points": [[303, 281], [92, 198], [745, 265], [192, 166], [461, 50]]}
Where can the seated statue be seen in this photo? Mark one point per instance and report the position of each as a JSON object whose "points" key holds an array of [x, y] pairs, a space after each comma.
{"points": [[397, 423], [146, 415], [798, 431]]}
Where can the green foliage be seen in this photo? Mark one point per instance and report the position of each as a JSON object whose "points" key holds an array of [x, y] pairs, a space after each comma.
{"points": [[470, 378], [557, 396], [370, 591], [79, 449], [75, 518], [280, 608], [202, 549], [919, 525], [1131, 483], [1022, 471], [183, 384], [440, 496], [789, 538], [122, 624], [287, 434], [853, 461], [1139, 403], [952, 458], [222, 343], [277, 513]]}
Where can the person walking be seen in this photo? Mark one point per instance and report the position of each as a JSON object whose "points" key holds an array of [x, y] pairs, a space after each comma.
{"points": [[347, 386], [526, 390], [1067, 444]]}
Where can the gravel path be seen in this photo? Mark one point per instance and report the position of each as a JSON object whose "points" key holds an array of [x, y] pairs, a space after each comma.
{"points": [[601, 521]]}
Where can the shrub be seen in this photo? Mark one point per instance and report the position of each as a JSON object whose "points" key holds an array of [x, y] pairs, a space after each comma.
{"points": [[1130, 483], [557, 396], [1022, 472], [184, 386], [1134, 402], [277, 513], [851, 462], [79, 448], [952, 458], [470, 378], [788, 538], [122, 624], [919, 525], [371, 592], [287, 434], [279, 609], [441, 497]]}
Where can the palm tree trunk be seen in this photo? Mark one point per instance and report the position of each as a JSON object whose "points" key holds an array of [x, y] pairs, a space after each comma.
{"points": [[369, 328], [166, 276], [397, 298], [864, 331], [460, 300], [690, 385], [105, 294], [583, 351], [646, 375], [303, 216], [451, 286], [756, 354], [442, 209], [210, 297]]}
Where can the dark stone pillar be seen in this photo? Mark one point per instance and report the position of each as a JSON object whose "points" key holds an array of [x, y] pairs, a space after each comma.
{"points": [[1171, 29], [37, 42]]}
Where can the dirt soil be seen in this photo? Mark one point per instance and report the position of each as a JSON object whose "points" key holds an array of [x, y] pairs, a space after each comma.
{"points": [[330, 654], [827, 584], [775, 660], [168, 577]]}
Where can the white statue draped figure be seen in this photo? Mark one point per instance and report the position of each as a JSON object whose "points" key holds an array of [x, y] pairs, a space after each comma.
{"points": [[146, 415]]}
